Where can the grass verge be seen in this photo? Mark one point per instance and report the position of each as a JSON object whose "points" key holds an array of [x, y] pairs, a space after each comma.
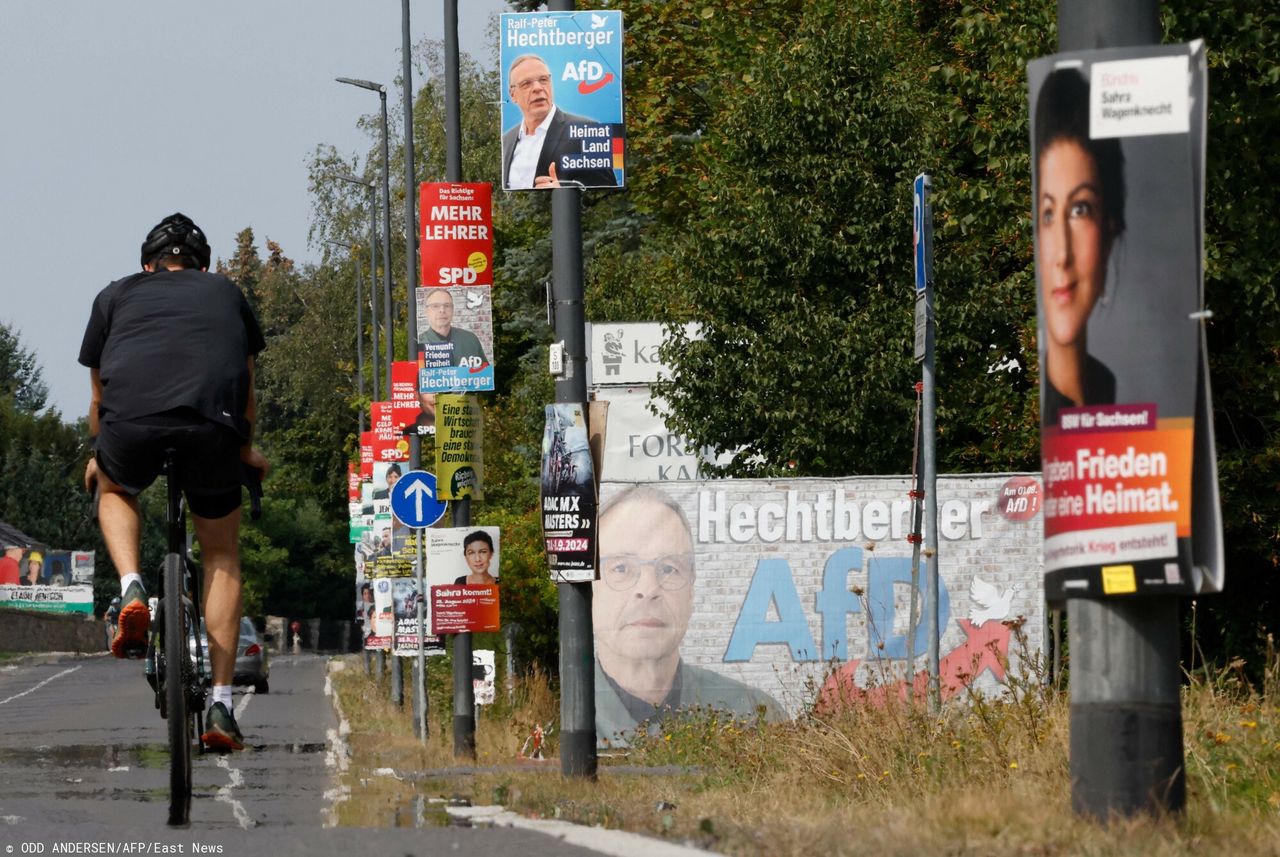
{"points": [[985, 776]]}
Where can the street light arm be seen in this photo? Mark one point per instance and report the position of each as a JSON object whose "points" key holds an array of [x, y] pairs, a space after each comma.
{"points": [[363, 84], [350, 179]]}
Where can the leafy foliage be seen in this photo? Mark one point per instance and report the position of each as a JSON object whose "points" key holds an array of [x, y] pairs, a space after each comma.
{"points": [[20, 377]]}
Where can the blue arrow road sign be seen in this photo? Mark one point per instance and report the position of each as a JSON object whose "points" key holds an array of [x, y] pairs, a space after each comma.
{"points": [[414, 499]]}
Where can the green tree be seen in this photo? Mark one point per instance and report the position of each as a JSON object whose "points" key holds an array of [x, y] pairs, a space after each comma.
{"points": [[20, 376]]}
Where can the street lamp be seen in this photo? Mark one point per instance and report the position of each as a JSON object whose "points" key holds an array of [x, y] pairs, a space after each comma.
{"points": [[359, 330], [373, 274], [386, 212]]}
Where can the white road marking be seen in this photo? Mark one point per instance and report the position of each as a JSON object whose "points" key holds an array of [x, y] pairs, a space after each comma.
{"points": [[40, 685], [235, 778]]}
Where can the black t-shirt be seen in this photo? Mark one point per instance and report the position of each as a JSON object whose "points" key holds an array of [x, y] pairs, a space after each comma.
{"points": [[173, 339]]}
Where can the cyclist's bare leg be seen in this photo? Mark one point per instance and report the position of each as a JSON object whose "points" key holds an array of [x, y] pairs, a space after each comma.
{"points": [[220, 556], [121, 524]]}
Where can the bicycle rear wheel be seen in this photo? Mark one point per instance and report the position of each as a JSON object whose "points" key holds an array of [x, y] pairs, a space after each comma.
{"points": [[176, 673]]}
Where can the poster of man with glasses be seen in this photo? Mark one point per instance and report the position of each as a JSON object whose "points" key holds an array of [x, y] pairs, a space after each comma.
{"points": [[562, 100], [640, 609]]}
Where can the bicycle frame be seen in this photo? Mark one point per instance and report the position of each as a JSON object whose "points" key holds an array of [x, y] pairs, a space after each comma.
{"points": [[174, 655]]}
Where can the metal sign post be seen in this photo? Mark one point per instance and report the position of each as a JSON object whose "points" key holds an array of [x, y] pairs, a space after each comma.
{"points": [[924, 354], [415, 502]]}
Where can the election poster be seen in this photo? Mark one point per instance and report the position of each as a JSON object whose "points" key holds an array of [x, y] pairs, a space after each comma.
{"points": [[389, 444], [380, 630], [459, 447], [456, 242], [455, 339], [568, 495], [1117, 168], [366, 455], [462, 572], [406, 401], [746, 595], [562, 119]]}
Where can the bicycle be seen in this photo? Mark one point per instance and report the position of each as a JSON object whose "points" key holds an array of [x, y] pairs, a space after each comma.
{"points": [[174, 659]]}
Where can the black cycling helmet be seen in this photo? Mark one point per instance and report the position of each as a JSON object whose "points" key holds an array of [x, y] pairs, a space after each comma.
{"points": [[176, 234]]}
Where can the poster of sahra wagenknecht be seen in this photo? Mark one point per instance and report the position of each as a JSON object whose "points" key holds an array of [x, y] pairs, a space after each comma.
{"points": [[1118, 166]]}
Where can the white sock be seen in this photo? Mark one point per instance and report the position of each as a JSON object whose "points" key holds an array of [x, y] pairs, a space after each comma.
{"points": [[222, 693], [126, 579]]}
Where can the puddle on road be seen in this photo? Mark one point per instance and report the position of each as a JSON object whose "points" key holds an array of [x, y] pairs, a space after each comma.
{"points": [[88, 756], [377, 800]]}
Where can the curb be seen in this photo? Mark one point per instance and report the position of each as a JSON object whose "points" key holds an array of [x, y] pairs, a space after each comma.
{"points": [[618, 843]]}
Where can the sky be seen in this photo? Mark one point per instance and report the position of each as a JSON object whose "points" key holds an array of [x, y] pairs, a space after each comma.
{"points": [[117, 114]]}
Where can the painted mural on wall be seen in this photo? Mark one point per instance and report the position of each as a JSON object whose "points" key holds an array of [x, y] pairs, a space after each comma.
{"points": [[751, 595]]}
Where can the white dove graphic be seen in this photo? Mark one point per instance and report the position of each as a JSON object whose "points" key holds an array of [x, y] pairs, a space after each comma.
{"points": [[987, 602], [597, 21]]}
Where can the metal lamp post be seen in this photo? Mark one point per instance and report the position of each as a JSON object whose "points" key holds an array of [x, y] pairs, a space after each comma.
{"points": [[386, 215], [373, 270], [359, 328]]}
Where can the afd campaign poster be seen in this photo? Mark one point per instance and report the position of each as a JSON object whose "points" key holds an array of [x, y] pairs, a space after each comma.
{"points": [[455, 339], [562, 123], [747, 595], [1118, 174], [568, 495]]}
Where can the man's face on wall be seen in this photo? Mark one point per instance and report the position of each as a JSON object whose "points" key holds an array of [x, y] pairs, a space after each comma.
{"points": [[641, 605], [530, 88], [392, 478], [440, 311]]}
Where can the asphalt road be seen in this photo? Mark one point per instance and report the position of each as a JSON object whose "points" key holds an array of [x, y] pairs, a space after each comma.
{"points": [[84, 769]]}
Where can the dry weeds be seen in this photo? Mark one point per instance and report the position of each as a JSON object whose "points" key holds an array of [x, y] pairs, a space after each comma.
{"points": [[984, 777]]}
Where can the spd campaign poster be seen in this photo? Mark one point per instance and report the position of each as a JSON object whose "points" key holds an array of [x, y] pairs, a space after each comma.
{"points": [[459, 447], [388, 443], [456, 243], [562, 122], [455, 339], [1126, 446], [568, 495], [462, 574], [406, 404], [366, 455]]}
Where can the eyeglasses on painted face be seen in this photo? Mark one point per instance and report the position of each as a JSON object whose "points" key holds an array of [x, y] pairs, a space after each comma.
{"points": [[528, 83], [622, 571]]}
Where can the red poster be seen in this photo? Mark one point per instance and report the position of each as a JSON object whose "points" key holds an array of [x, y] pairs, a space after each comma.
{"points": [[388, 444], [353, 482], [456, 241], [366, 456], [459, 608], [404, 394]]}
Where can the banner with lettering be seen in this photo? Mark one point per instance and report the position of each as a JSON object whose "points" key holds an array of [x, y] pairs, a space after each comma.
{"points": [[1118, 173], [568, 495], [459, 447], [562, 122], [750, 595]]}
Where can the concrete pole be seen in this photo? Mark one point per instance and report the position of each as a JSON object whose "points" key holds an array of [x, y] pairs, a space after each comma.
{"points": [[1126, 713]]}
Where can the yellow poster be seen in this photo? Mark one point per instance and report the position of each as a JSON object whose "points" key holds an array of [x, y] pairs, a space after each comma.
{"points": [[459, 447]]}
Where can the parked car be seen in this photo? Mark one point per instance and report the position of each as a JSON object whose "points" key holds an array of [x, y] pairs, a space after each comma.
{"points": [[252, 667]]}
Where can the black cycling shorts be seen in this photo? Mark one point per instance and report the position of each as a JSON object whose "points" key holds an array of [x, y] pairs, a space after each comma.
{"points": [[131, 454]]}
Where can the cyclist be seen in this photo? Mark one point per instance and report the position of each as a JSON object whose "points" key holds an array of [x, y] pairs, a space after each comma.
{"points": [[170, 352]]}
